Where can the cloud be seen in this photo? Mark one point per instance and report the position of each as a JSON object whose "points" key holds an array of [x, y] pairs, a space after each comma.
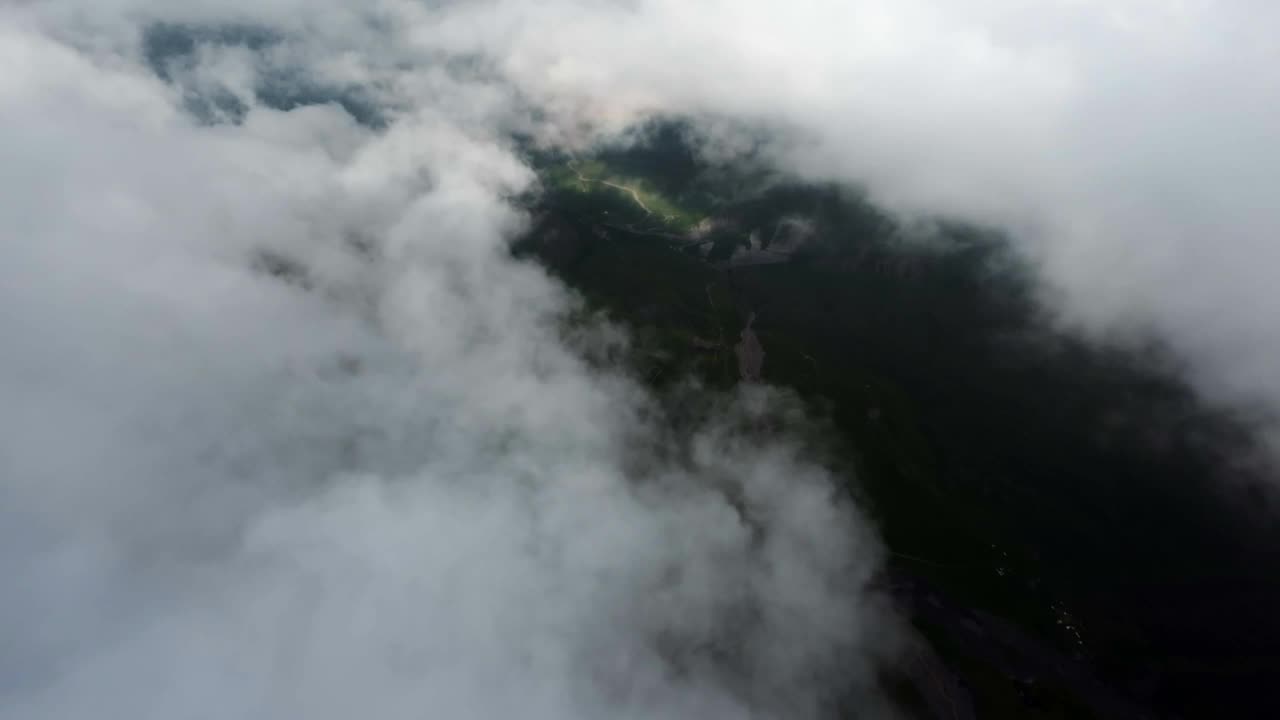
{"points": [[1127, 147], [288, 433]]}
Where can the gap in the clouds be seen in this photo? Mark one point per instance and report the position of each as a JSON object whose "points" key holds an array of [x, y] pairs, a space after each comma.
{"points": [[172, 51], [282, 267], [1027, 474]]}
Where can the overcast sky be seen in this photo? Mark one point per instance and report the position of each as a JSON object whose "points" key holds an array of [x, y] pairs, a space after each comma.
{"points": [[388, 488]]}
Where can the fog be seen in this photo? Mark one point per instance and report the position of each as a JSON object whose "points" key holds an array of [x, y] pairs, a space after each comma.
{"points": [[1128, 147], [287, 433]]}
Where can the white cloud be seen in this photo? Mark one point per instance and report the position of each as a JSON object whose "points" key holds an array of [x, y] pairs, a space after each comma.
{"points": [[1128, 145], [397, 492], [393, 493]]}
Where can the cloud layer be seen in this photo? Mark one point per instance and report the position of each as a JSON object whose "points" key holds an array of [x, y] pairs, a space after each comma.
{"points": [[1129, 147], [287, 433]]}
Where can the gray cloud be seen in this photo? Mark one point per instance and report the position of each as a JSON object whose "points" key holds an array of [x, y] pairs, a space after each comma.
{"points": [[385, 486], [287, 433], [1128, 147]]}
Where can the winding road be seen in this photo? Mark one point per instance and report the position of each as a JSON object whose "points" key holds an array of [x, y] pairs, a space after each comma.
{"points": [[630, 191]]}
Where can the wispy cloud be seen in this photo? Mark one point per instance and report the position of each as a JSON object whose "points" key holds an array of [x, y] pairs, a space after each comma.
{"points": [[288, 433]]}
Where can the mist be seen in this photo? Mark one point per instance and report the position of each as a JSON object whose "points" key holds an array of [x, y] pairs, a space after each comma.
{"points": [[1126, 148], [288, 433]]}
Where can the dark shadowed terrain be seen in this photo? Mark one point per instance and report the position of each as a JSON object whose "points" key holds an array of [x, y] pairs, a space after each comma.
{"points": [[1070, 528]]}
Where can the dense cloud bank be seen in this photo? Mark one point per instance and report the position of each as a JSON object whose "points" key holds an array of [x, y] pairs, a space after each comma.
{"points": [[1128, 146], [287, 433]]}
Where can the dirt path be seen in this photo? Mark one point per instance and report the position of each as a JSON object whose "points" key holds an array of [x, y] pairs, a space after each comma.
{"points": [[630, 191], [634, 195]]}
